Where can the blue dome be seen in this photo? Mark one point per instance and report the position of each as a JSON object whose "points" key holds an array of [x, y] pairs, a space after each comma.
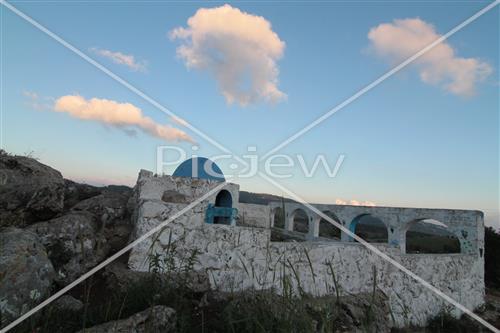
{"points": [[199, 167]]}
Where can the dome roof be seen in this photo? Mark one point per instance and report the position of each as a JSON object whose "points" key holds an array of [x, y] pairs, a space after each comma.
{"points": [[203, 169]]}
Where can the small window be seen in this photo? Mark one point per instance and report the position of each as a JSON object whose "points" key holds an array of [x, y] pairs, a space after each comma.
{"points": [[430, 236]]}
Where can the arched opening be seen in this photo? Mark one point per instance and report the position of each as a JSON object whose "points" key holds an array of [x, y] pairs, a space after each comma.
{"points": [[279, 218], [328, 230], [223, 199], [370, 228], [300, 221], [430, 236]]}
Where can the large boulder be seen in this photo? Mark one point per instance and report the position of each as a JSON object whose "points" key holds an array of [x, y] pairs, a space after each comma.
{"points": [[76, 192], [30, 191], [26, 273], [158, 318], [110, 208], [73, 242]]}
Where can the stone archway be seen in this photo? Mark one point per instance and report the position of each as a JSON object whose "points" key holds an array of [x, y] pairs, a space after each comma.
{"points": [[371, 228], [299, 220], [327, 229]]}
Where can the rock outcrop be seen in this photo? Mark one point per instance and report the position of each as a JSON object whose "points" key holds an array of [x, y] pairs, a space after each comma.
{"points": [[73, 242], [76, 192], [78, 224], [110, 209], [109, 206], [30, 191], [26, 273]]}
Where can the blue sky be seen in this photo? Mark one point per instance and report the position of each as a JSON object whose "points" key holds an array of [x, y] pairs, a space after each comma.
{"points": [[407, 142]]}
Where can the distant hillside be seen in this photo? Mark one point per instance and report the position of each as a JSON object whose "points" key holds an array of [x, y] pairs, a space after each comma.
{"points": [[260, 198]]}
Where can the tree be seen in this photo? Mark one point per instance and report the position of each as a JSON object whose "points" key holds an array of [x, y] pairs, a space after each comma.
{"points": [[492, 258]]}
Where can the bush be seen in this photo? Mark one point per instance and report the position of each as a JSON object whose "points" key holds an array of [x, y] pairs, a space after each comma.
{"points": [[445, 323], [492, 258]]}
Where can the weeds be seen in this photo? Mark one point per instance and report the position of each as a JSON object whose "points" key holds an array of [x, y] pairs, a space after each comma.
{"points": [[369, 313], [444, 322], [286, 309], [310, 266], [335, 281]]}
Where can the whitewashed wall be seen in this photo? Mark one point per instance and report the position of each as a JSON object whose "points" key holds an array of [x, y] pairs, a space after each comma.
{"points": [[252, 215], [240, 258]]}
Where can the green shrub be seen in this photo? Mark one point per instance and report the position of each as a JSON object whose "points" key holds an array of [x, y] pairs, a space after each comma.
{"points": [[492, 258]]}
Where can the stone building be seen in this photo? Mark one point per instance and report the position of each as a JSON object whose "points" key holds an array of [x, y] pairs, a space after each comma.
{"points": [[243, 246]]}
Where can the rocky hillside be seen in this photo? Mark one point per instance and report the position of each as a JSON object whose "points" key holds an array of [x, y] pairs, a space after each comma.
{"points": [[53, 230], [261, 198]]}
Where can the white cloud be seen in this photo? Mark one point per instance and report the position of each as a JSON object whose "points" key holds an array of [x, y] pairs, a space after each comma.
{"points": [[125, 116], [30, 94], [122, 59], [440, 66], [239, 49], [354, 202], [36, 102]]}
